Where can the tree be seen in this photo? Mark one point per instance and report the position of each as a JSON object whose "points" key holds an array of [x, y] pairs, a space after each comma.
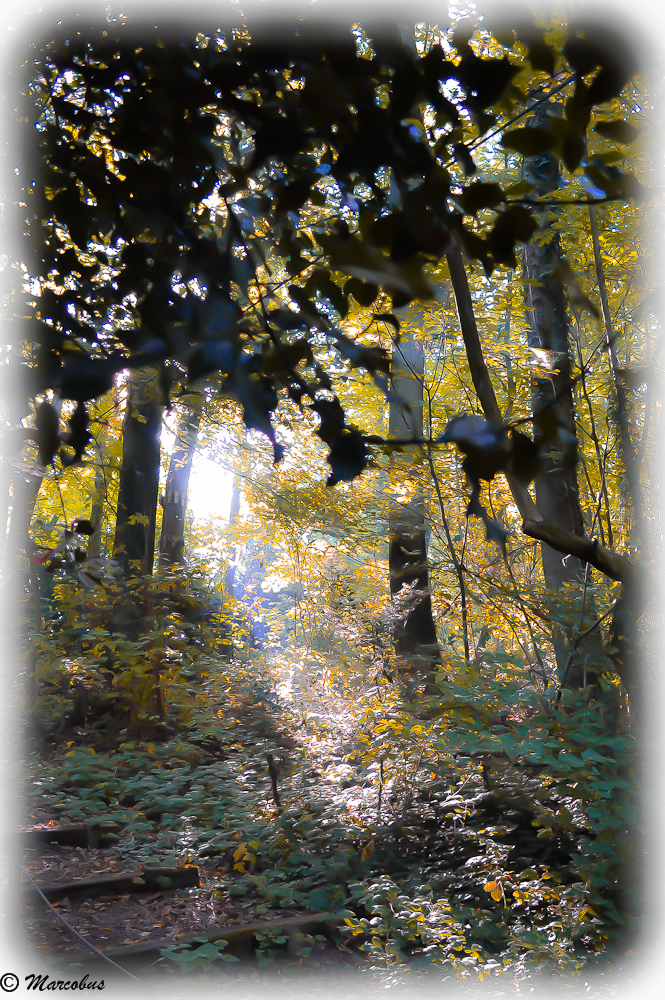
{"points": [[557, 493], [174, 501], [187, 243], [134, 542], [416, 633], [283, 217]]}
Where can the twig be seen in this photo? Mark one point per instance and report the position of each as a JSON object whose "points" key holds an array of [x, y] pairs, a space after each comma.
{"points": [[451, 547], [273, 771], [581, 636]]}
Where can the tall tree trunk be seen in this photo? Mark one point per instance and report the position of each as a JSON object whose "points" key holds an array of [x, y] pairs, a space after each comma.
{"points": [[134, 543], [233, 517], [557, 490], [628, 452], [97, 513], [415, 635], [25, 487], [5, 479], [174, 501], [21, 601]]}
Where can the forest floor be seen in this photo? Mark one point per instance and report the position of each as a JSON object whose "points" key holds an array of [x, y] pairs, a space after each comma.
{"points": [[112, 921], [384, 858]]}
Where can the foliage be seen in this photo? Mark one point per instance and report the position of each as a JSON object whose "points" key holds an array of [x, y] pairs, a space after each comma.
{"points": [[200, 959], [95, 673], [249, 708], [487, 837], [348, 156]]}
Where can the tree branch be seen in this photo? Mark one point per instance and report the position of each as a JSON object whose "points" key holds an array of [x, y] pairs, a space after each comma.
{"points": [[533, 524]]}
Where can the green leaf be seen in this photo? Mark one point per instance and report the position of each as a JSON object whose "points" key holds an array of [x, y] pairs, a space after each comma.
{"points": [[573, 149], [318, 899], [480, 195], [617, 130], [364, 292]]}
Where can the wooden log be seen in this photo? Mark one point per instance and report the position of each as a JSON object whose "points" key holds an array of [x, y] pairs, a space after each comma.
{"points": [[99, 834], [146, 880], [240, 938]]}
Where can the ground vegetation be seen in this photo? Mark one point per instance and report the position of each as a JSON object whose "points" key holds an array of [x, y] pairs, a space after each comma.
{"points": [[392, 279]]}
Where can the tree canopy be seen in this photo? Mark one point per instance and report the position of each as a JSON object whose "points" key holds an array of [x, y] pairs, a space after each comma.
{"points": [[209, 203]]}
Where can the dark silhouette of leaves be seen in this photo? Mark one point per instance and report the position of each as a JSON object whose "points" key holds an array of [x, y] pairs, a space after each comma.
{"points": [[514, 225], [82, 526], [78, 436], [599, 48], [485, 446], [48, 438], [525, 459], [529, 140], [617, 131], [364, 292], [541, 56], [347, 458], [296, 108], [573, 150], [464, 158], [494, 531], [480, 195], [332, 419]]}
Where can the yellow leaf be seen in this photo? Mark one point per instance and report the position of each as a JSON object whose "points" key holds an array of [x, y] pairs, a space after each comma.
{"points": [[239, 867], [242, 850], [496, 894], [489, 886]]}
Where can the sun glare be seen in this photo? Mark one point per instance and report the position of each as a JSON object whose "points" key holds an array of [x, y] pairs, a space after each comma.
{"points": [[210, 488]]}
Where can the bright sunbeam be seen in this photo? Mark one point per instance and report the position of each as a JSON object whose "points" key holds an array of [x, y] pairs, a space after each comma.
{"points": [[210, 488]]}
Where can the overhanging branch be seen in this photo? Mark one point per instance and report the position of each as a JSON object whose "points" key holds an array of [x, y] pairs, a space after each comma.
{"points": [[533, 524]]}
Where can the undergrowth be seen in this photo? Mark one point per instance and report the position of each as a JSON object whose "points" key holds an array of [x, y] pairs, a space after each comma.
{"points": [[480, 833]]}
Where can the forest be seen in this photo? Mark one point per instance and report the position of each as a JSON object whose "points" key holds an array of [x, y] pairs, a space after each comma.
{"points": [[332, 535]]}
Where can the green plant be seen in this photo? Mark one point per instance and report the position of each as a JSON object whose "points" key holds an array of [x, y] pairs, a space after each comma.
{"points": [[200, 959], [268, 944]]}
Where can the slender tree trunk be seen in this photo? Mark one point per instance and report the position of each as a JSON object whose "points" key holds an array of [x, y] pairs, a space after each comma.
{"points": [[25, 487], [628, 452], [21, 601], [415, 635], [37, 622], [229, 601], [534, 525], [233, 516], [174, 501], [5, 479], [557, 491], [96, 515], [134, 543]]}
